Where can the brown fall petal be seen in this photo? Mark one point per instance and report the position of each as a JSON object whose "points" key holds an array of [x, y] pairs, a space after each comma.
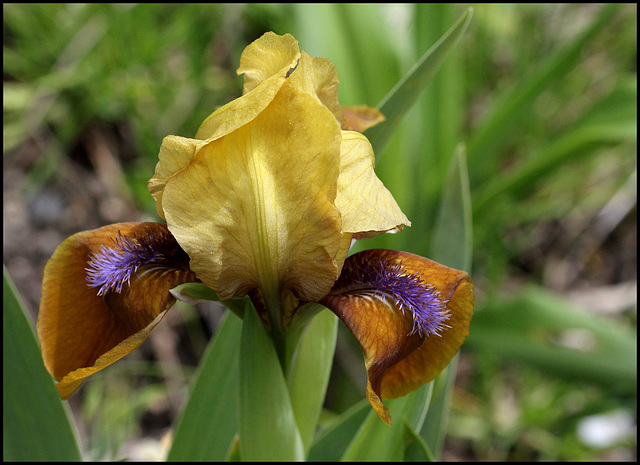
{"points": [[398, 358], [80, 332]]}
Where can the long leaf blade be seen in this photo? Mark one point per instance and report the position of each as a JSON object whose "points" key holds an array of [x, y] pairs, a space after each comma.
{"points": [[452, 241], [268, 429], [452, 245], [437, 124], [399, 100], [209, 422], [35, 426], [612, 120], [333, 442], [529, 328], [310, 372], [514, 105], [417, 449], [377, 441]]}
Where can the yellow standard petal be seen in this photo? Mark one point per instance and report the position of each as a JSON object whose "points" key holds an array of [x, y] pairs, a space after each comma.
{"points": [[366, 206], [175, 154], [318, 77], [270, 55], [409, 314], [81, 332], [266, 64], [255, 209]]}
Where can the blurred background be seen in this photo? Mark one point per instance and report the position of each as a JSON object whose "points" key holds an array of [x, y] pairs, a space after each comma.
{"points": [[541, 98]]}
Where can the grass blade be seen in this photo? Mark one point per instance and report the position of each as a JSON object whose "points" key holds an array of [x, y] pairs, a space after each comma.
{"points": [[435, 426], [611, 120], [436, 122], [530, 328], [514, 105], [417, 449]]}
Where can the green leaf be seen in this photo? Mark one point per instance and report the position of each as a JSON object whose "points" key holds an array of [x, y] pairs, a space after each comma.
{"points": [[399, 100], [370, 42], [442, 107], [452, 245], [209, 422], [452, 241], [611, 120], [532, 327], [35, 425], [418, 405], [377, 441], [515, 105], [192, 293], [333, 442], [435, 126], [435, 426], [268, 429], [417, 449], [309, 374]]}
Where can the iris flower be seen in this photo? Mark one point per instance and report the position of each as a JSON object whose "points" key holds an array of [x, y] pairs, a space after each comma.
{"points": [[265, 201]]}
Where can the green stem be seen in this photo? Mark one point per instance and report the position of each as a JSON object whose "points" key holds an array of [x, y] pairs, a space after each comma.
{"points": [[286, 341], [274, 311]]}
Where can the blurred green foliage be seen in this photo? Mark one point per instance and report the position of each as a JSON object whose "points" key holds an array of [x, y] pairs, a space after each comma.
{"points": [[542, 97]]}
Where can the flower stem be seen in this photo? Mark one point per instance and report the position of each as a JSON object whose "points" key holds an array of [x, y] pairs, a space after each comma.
{"points": [[272, 302]]}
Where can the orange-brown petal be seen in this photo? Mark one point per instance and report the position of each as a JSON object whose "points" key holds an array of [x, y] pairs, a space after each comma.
{"points": [[397, 358], [80, 332], [361, 117]]}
